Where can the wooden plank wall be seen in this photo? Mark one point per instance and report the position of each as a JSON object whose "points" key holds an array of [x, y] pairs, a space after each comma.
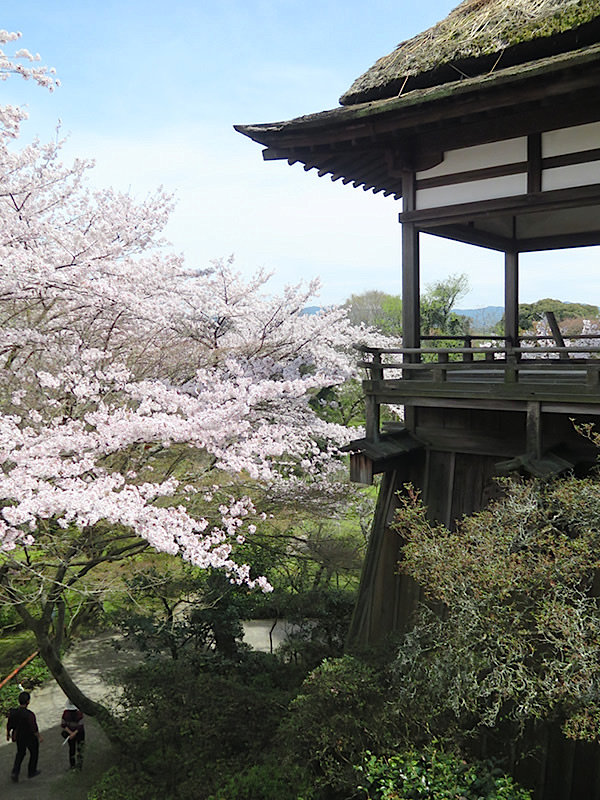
{"points": [[456, 478], [452, 485], [455, 473]]}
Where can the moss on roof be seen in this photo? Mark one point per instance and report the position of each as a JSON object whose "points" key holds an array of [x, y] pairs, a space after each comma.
{"points": [[474, 37]]}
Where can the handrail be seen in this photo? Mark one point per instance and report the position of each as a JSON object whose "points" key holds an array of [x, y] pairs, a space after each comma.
{"points": [[506, 360], [479, 366], [475, 350], [19, 668], [496, 337], [448, 337]]}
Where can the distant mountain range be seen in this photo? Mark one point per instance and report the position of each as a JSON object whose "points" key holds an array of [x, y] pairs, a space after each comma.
{"points": [[483, 319], [311, 310]]}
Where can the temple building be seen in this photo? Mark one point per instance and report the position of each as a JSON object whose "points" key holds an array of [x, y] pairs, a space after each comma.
{"points": [[487, 128]]}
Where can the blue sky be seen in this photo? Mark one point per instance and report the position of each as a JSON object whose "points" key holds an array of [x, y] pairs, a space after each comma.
{"points": [[152, 89]]}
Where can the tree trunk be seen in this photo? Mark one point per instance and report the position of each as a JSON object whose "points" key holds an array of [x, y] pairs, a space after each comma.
{"points": [[61, 675], [59, 624]]}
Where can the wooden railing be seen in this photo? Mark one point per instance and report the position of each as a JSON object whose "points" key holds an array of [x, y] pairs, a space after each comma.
{"points": [[493, 369], [19, 668], [509, 360]]}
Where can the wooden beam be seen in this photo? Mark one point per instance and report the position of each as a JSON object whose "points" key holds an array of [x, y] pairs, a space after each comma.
{"points": [[470, 235], [569, 159], [533, 167], [557, 199], [273, 154], [449, 519], [560, 242], [468, 176], [558, 337], [373, 418], [534, 163]]}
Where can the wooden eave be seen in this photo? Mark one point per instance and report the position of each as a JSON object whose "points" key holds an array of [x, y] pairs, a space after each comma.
{"points": [[388, 446], [368, 458], [371, 144]]}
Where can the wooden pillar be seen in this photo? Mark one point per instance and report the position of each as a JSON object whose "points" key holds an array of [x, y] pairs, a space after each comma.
{"points": [[373, 418], [534, 430], [411, 318], [511, 298]]}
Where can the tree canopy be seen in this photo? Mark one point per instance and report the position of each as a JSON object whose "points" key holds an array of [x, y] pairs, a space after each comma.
{"points": [[529, 313], [142, 400], [437, 304], [377, 309], [384, 311]]}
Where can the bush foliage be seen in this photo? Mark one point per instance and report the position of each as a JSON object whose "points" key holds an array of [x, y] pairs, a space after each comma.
{"points": [[519, 637], [432, 774], [340, 712], [515, 645]]}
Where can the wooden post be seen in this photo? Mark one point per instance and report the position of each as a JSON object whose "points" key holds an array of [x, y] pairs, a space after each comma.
{"points": [[558, 337], [534, 430], [468, 343], [511, 298], [593, 374], [372, 421], [411, 312], [411, 322], [372, 407], [439, 372]]}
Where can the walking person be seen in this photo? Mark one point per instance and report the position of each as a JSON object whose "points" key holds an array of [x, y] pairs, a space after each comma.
{"points": [[73, 732], [22, 728]]}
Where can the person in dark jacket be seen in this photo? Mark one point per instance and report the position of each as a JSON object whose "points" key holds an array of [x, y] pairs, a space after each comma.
{"points": [[73, 732], [22, 728]]}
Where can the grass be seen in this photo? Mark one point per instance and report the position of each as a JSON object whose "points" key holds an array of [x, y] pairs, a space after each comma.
{"points": [[14, 649]]}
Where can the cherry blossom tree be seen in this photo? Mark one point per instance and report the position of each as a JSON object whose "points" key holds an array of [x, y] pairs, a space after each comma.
{"points": [[17, 63], [131, 384]]}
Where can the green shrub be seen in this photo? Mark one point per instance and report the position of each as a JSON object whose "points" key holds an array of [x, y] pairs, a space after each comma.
{"points": [[9, 619], [340, 712], [267, 782], [14, 649], [320, 620], [34, 674], [189, 728], [432, 774], [119, 785]]}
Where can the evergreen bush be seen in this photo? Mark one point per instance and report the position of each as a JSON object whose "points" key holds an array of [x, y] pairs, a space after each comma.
{"points": [[431, 774]]}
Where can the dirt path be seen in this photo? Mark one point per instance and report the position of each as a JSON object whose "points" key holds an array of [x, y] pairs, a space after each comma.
{"points": [[90, 664]]}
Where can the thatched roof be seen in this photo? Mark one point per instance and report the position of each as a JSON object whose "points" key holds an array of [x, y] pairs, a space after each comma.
{"points": [[477, 37]]}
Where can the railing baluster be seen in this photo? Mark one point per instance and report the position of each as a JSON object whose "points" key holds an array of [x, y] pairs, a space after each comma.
{"points": [[440, 373], [377, 368], [511, 374], [593, 374], [539, 377], [468, 344]]}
